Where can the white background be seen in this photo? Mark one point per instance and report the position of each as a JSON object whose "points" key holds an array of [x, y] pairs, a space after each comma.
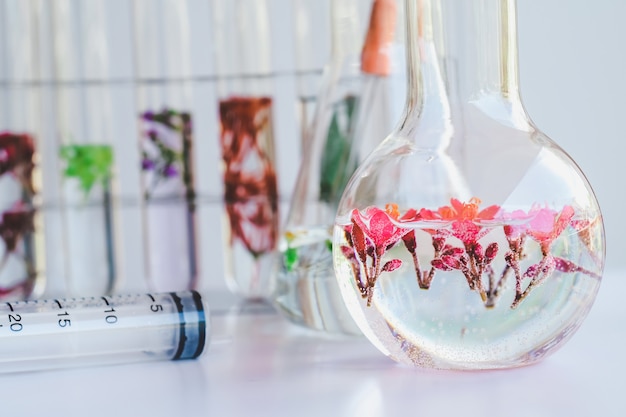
{"points": [[572, 66]]}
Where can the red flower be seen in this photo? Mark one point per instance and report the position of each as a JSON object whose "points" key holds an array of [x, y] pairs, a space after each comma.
{"points": [[369, 236], [464, 218], [459, 211]]}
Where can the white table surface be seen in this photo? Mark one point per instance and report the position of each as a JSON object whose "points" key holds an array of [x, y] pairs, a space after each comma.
{"points": [[258, 364]]}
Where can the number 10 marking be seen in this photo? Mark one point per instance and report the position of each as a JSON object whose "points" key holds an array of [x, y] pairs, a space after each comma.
{"points": [[111, 318]]}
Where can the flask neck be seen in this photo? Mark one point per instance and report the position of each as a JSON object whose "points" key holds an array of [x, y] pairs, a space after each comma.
{"points": [[460, 53]]}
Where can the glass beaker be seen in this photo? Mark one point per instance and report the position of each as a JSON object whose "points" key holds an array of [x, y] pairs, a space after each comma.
{"points": [[242, 59], [468, 239], [357, 103]]}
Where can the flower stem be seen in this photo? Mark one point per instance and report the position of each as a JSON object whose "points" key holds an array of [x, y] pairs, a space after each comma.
{"points": [[544, 269], [494, 292], [418, 271]]}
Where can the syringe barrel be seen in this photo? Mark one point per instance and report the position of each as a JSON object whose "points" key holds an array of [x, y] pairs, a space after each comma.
{"points": [[59, 333]]}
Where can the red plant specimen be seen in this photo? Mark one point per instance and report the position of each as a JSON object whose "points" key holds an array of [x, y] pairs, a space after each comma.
{"points": [[250, 189], [472, 260], [373, 232], [545, 226], [15, 223], [370, 236], [16, 159]]}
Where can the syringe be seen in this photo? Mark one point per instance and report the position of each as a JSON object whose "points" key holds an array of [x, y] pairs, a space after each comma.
{"points": [[45, 334]]}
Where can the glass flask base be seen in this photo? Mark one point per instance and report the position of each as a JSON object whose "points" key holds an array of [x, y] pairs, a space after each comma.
{"points": [[306, 290], [460, 288]]}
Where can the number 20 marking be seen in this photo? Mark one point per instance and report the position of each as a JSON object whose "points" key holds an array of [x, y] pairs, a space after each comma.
{"points": [[15, 319]]}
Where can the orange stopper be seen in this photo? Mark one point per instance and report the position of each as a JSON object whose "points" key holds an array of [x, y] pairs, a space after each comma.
{"points": [[375, 57]]}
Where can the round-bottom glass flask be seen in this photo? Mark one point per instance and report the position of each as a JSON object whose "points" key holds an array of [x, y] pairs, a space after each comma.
{"points": [[467, 239]]}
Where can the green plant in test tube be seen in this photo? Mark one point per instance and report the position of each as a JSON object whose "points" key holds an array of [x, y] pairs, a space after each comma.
{"points": [[88, 164]]}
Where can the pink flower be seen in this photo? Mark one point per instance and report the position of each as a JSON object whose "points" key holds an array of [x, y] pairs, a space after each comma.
{"points": [[543, 224], [547, 224], [369, 235], [376, 224], [515, 223]]}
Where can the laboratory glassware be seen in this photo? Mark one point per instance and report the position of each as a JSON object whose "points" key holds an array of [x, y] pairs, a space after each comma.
{"points": [[22, 257], [312, 47], [468, 239], [358, 104], [166, 142], [84, 109], [242, 44]]}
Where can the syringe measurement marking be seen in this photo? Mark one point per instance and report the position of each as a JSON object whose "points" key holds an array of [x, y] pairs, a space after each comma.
{"points": [[155, 308], [64, 320], [15, 320], [111, 318]]}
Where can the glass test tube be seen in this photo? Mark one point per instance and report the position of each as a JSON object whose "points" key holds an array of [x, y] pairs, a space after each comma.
{"points": [[242, 59], [21, 233], [312, 47], [60, 333], [166, 142], [84, 136]]}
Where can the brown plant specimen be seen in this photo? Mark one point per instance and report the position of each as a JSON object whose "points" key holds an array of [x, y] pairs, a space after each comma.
{"points": [[250, 188]]}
